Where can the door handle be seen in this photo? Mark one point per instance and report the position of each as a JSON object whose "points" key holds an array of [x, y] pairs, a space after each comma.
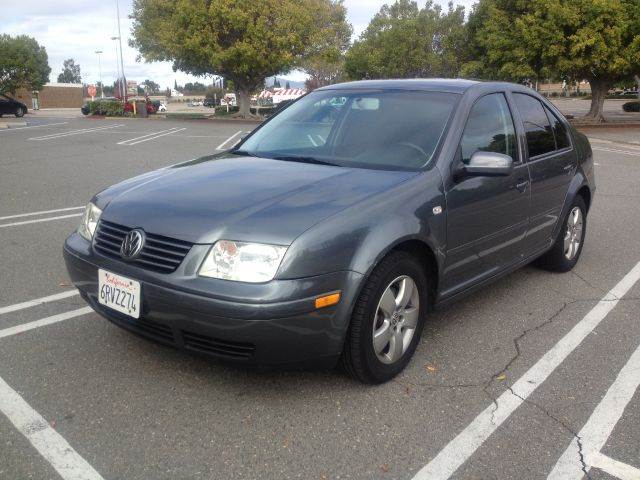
{"points": [[522, 185], [567, 168]]}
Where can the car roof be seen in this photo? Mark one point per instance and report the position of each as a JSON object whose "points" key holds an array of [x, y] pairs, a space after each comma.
{"points": [[427, 84]]}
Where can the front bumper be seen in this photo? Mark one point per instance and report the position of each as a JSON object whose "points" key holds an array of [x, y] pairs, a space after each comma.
{"points": [[272, 324]]}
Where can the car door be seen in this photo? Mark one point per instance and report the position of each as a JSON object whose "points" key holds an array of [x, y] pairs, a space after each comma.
{"points": [[552, 162], [487, 217], [4, 106]]}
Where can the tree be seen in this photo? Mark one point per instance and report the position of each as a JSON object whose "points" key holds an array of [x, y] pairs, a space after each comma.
{"points": [[596, 40], [23, 63], [276, 83], [151, 86], [288, 85], [70, 72], [405, 41], [195, 88], [243, 40], [324, 60]]}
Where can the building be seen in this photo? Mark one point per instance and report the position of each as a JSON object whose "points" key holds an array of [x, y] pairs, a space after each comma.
{"points": [[53, 95]]}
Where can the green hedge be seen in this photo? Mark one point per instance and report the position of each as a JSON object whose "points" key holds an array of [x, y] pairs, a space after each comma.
{"points": [[222, 110], [631, 107], [109, 108]]}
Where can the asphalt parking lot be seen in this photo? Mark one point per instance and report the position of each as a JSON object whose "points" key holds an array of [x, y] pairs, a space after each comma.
{"points": [[534, 377]]}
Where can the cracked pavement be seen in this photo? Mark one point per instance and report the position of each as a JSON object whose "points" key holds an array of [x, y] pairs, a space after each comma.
{"points": [[137, 410]]}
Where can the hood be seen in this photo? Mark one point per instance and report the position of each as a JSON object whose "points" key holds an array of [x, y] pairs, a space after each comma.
{"points": [[240, 198]]}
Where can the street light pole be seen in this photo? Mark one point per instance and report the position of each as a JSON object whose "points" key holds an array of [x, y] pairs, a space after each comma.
{"points": [[98, 52], [118, 82], [124, 79]]}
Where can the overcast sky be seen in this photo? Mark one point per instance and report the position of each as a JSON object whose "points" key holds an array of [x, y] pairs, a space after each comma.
{"points": [[77, 28]]}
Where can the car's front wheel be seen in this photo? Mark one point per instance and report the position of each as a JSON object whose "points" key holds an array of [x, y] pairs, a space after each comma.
{"points": [[387, 320], [20, 111], [567, 248]]}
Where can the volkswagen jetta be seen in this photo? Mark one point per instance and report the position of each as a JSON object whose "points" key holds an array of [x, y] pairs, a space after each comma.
{"points": [[331, 231]]}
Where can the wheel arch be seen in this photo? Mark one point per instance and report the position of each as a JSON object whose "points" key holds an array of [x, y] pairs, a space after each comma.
{"points": [[423, 251]]}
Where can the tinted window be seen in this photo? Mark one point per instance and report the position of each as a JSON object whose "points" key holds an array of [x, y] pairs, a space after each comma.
{"points": [[562, 138], [368, 129], [540, 138], [489, 128]]}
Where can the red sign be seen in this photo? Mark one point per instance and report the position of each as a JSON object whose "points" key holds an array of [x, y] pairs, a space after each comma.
{"points": [[91, 90]]}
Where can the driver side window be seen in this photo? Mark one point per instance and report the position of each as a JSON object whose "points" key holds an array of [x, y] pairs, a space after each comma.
{"points": [[489, 129]]}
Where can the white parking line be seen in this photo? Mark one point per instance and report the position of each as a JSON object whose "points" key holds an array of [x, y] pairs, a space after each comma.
{"points": [[458, 451], [43, 322], [49, 219], [613, 467], [144, 138], [49, 443], [34, 126], [53, 136], [38, 301], [614, 150], [598, 428], [33, 214], [222, 146]]}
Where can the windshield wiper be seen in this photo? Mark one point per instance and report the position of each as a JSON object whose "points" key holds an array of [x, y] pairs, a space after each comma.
{"points": [[244, 152], [303, 159]]}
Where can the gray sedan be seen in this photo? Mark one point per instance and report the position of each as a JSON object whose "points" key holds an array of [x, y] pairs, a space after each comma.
{"points": [[331, 232]]}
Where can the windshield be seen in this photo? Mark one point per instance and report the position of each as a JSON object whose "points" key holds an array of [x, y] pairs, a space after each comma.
{"points": [[379, 129]]}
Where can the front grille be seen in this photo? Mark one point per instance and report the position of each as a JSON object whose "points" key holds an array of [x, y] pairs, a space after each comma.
{"points": [[160, 254], [207, 344]]}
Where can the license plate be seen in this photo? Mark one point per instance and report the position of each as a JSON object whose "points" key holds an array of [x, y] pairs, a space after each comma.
{"points": [[119, 293]]}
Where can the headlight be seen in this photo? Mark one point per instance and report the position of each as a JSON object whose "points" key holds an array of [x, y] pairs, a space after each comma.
{"points": [[89, 221], [242, 262]]}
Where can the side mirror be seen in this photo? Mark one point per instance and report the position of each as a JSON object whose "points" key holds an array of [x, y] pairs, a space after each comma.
{"points": [[489, 164]]}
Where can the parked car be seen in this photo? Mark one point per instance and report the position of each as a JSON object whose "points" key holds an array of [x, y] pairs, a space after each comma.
{"points": [[9, 106], [279, 107], [162, 107], [210, 102], [195, 103], [326, 237]]}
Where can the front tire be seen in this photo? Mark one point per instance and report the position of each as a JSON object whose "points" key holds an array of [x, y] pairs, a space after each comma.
{"points": [[566, 250], [20, 111], [387, 320]]}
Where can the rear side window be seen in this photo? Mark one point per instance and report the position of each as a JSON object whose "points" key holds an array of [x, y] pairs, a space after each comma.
{"points": [[540, 139], [562, 138], [489, 128]]}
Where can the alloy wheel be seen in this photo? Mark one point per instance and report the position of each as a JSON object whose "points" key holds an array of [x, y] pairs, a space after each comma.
{"points": [[573, 233], [396, 319]]}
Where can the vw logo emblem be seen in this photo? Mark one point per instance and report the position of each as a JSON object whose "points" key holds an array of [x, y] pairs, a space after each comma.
{"points": [[132, 244]]}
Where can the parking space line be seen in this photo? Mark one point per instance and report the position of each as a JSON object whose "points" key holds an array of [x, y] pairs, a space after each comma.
{"points": [[614, 150], [43, 212], [38, 301], [143, 138], [598, 428], [33, 126], [222, 145], [53, 136], [460, 449], [614, 467], [49, 443], [49, 219], [43, 322]]}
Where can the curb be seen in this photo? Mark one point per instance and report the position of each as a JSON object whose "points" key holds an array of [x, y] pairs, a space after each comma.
{"points": [[605, 126]]}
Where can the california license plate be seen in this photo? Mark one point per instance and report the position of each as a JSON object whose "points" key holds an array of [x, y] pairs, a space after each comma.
{"points": [[119, 293]]}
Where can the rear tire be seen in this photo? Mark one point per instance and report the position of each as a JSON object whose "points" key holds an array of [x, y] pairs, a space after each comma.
{"points": [[566, 250], [381, 310]]}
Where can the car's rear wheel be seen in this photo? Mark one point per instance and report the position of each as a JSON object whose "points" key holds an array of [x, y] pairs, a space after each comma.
{"points": [[387, 320], [20, 111], [567, 248]]}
